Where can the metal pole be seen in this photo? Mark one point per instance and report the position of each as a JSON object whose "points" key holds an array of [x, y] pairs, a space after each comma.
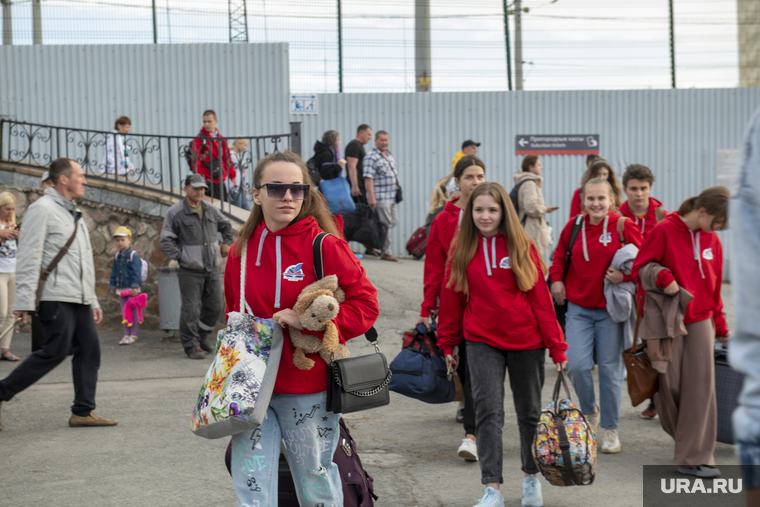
{"points": [[155, 24], [518, 46], [7, 23], [672, 48], [340, 49], [295, 137], [422, 64], [506, 37], [36, 22]]}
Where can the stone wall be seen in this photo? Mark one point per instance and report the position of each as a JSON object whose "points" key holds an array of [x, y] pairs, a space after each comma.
{"points": [[102, 220]]}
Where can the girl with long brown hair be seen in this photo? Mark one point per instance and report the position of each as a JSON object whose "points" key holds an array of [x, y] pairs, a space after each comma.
{"points": [[599, 168], [495, 296], [684, 253], [287, 215]]}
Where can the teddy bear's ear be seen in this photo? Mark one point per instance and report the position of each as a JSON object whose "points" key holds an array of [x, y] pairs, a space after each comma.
{"points": [[330, 282], [305, 300]]}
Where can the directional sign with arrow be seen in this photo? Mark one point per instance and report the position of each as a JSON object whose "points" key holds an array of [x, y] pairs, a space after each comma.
{"points": [[556, 144]]}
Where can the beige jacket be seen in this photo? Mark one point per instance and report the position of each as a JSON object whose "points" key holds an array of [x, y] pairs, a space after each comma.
{"points": [[531, 203]]}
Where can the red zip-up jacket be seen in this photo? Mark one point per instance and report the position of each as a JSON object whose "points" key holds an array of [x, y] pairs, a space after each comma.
{"points": [[496, 311], [584, 285], [575, 204], [207, 148], [442, 233], [279, 265], [646, 224], [694, 260]]}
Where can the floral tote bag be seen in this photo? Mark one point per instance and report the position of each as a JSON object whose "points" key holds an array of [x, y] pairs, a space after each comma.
{"points": [[238, 386]]}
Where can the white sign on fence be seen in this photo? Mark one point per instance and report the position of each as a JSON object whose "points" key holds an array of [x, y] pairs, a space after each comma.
{"points": [[303, 104]]}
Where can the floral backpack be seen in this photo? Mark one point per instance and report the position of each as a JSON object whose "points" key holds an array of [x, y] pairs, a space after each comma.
{"points": [[564, 447], [236, 391]]}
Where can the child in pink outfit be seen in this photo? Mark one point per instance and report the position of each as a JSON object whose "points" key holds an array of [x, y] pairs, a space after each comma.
{"points": [[126, 279]]}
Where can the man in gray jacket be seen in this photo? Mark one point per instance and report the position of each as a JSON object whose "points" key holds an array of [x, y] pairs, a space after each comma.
{"points": [[189, 236], [68, 308]]}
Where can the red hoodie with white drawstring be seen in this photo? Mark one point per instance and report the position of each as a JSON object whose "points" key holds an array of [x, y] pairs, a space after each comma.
{"points": [[496, 311], [279, 265], [647, 222], [694, 259], [593, 251], [442, 233]]}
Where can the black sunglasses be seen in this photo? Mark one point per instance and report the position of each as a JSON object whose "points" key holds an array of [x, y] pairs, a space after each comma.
{"points": [[277, 191]]}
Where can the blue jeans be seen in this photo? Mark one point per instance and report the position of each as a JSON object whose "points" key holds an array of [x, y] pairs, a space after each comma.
{"points": [[239, 199], [744, 350], [310, 434], [586, 327]]}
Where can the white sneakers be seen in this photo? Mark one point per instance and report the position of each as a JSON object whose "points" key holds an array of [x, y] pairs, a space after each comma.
{"points": [[610, 441], [468, 450], [593, 420]]}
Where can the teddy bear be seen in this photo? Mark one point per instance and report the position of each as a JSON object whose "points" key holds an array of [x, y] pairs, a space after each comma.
{"points": [[316, 306]]}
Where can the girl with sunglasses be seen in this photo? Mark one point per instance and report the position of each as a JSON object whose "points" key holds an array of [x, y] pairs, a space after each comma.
{"points": [[287, 215], [495, 296]]}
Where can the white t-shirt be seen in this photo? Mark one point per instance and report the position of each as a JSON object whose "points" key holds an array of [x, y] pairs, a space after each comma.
{"points": [[7, 255]]}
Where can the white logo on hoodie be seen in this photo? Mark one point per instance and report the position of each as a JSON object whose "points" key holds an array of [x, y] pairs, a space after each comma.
{"points": [[505, 264], [707, 254]]}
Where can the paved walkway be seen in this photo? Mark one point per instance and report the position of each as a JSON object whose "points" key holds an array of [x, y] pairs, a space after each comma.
{"points": [[152, 459]]}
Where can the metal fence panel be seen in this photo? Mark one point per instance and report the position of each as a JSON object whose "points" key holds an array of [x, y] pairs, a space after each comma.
{"points": [[163, 88], [674, 132]]}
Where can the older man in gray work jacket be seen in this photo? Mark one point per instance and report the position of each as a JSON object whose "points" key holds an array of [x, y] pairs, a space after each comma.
{"points": [[189, 236], [68, 308]]}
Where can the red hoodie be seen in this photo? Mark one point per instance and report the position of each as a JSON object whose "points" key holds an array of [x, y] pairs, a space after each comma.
{"points": [[584, 285], [497, 312], [694, 260], [646, 224], [575, 204], [206, 149], [280, 264], [442, 233]]}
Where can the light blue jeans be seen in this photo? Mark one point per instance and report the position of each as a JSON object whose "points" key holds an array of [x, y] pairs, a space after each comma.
{"points": [[310, 435], [584, 328], [744, 348]]}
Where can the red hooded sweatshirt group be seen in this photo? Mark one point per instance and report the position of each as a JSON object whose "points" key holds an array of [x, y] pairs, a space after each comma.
{"points": [[496, 311], [593, 251], [647, 222], [442, 233], [694, 260], [206, 148], [279, 265]]}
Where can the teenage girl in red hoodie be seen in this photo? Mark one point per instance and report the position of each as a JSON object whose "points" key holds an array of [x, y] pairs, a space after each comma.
{"points": [[495, 296], [286, 216], [587, 323], [686, 245], [469, 173], [599, 168]]}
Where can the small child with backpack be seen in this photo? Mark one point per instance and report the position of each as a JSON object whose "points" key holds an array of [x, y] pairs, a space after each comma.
{"points": [[127, 275]]}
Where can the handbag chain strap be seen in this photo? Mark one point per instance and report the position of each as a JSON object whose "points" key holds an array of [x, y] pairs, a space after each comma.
{"points": [[361, 394]]}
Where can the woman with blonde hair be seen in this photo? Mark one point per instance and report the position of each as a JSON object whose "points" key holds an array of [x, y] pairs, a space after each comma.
{"points": [[494, 266], [276, 244], [9, 233], [599, 168]]}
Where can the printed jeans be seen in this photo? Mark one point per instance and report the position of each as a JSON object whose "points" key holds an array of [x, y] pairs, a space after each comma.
{"points": [[586, 327], [310, 435], [744, 349]]}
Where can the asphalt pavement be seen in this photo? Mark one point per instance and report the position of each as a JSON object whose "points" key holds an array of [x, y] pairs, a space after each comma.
{"points": [[152, 459]]}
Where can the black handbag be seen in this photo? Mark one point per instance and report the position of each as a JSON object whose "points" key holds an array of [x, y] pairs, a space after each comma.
{"points": [[355, 383], [399, 194], [359, 383], [364, 226]]}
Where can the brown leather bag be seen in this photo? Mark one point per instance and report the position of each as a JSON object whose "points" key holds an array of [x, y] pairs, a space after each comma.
{"points": [[643, 380]]}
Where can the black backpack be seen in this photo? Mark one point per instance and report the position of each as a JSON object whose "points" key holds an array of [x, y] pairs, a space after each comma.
{"points": [[514, 196], [311, 165]]}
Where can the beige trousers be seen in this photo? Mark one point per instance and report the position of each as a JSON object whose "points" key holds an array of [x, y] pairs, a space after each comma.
{"points": [[7, 300], [686, 399]]}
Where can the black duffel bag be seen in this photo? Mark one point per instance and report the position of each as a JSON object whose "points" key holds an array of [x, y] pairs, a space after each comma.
{"points": [[364, 226]]}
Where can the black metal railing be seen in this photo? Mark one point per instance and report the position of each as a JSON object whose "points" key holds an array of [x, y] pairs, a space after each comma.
{"points": [[154, 162]]}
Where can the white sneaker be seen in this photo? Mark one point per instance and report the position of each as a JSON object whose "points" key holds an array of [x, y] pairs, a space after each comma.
{"points": [[468, 450], [492, 498], [593, 420], [610, 441], [532, 492]]}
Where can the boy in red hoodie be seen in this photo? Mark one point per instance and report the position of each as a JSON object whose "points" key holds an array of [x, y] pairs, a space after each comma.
{"points": [[646, 212]]}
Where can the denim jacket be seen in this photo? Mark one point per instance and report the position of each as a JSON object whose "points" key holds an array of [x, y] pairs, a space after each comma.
{"points": [[127, 271]]}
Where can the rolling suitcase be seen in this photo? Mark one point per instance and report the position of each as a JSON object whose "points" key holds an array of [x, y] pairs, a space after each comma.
{"points": [[728, 385]]}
